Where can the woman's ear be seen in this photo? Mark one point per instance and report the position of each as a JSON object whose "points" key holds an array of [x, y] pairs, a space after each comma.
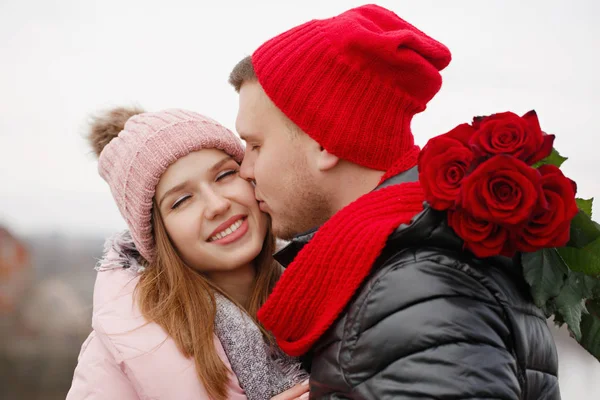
{"points": [[326, 160]]}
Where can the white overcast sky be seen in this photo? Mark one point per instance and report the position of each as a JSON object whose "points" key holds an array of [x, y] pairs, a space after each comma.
{"points": [[62, 60]]}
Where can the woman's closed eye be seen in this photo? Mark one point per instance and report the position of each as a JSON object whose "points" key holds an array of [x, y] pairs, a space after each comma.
{"points": [[180, 201], [222, 175], [226, 173]]}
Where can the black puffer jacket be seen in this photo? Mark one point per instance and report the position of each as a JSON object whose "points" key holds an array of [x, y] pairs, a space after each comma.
{"points": [[433, 322]]}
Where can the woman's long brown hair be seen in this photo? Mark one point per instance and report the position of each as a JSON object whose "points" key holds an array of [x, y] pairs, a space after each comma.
{"points": [[182, 302]]}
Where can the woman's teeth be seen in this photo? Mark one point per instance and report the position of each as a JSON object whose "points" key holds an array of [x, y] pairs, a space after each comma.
{"points": [[234, 227]]}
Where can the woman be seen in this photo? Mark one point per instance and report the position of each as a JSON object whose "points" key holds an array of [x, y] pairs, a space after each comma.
{"points": [[176, 296]]}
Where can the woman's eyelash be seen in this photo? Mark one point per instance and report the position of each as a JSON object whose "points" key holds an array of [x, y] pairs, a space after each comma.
{"points": [[222, 175], [180, 201], [226, 173]]}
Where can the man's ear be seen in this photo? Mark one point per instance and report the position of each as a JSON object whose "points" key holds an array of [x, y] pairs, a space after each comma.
{"points": [[326, 160]]}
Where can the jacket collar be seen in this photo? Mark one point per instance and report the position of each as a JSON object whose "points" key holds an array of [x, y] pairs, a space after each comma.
{"points": [[429, 228], [286, 255]]}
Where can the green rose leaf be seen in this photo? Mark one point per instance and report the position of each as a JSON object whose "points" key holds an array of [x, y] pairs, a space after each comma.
{"points": [[553, 159], [572, 317], [590, 329], [558, 319], [593, 248], [570, 302], [583, 230], [586, 259], [591, 286], [585, 205], [545, 271], [593, 307], [549, 309]]}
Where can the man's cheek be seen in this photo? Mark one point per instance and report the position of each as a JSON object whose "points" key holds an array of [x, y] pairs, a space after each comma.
{"points": [[260, 172], [264, 165]]}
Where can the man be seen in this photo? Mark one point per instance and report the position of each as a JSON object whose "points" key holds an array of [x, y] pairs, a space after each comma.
{"points": [[378, 291]]}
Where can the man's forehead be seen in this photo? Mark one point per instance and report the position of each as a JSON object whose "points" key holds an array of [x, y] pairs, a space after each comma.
{"points": [[247, 123], [254, 107]]}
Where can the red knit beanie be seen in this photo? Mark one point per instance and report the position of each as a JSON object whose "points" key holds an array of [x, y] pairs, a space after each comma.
{"points": [[353, 82]]}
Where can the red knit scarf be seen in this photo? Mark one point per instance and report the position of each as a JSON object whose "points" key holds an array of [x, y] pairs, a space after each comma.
{"points": [[326, 273]]}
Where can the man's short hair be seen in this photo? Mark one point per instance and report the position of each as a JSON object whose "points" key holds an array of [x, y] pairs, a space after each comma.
{"points": [[242, 72]]}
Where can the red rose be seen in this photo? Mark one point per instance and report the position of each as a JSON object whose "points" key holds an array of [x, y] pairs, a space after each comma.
{"points": [[551, 223], [443, 164], [482, 238], [507, 133], [501, 190]]}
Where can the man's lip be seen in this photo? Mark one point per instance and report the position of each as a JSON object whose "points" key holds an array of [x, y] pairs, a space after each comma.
{"points": [[226, 224], [262, 206]]}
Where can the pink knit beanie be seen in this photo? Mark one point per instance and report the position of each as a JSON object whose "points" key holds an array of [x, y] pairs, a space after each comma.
{"points": [[133, 162]]}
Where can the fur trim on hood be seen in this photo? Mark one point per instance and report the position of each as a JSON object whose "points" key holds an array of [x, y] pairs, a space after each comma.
{"points": [[120, 252]]}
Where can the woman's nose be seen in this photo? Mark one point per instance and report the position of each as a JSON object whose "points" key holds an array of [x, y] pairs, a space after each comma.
{"points": [[216, 205]]}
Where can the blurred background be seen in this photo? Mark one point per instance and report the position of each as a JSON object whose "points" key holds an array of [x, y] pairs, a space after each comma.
{"points": [[62, 60]]}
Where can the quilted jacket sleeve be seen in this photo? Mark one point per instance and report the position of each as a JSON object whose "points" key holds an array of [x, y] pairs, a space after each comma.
{"points": [[421, 330], [98, 376]]}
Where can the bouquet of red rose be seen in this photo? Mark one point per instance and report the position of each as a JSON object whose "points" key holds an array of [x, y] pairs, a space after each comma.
{"points": [[499, 180]]}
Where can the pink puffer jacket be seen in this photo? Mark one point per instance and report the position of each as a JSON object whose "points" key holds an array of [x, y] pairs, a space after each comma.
{"points": [[127, 358]]}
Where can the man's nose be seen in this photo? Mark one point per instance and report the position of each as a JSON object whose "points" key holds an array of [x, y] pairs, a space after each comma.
{"points": [[247, 168]]}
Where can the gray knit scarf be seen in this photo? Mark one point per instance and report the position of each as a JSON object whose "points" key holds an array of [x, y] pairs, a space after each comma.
{"points": [[262, 369]]}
